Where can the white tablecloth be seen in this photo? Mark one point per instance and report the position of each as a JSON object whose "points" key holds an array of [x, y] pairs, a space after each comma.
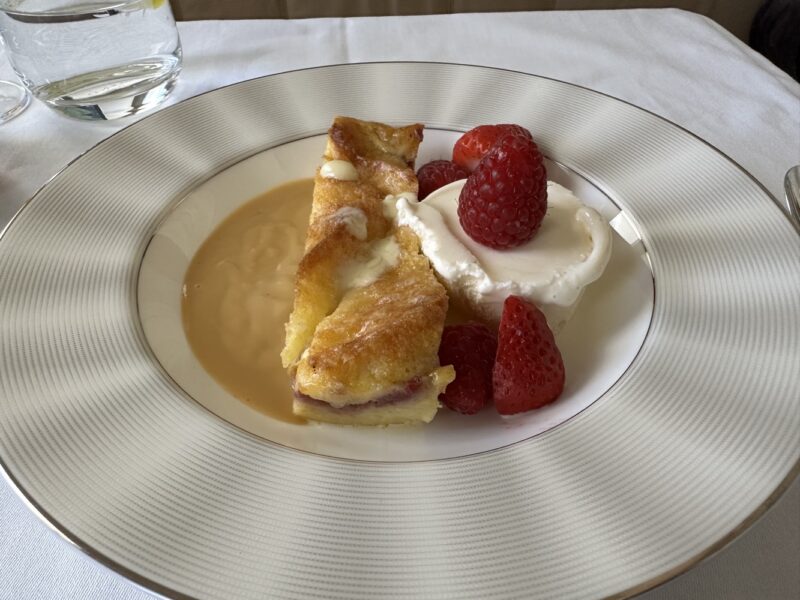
{"points": [[674, 63]]}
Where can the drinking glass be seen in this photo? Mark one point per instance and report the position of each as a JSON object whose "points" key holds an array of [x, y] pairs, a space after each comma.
{"points": [[13, 100], [93, 59]]}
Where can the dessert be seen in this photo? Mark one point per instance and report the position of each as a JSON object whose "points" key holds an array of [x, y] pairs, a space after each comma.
{"points": [[364, 276], [470, 148], [504, 199], [436, 174], [362, 340], [365, 343], [471, 349], [506, 230], [528, 369], [569, 251]]}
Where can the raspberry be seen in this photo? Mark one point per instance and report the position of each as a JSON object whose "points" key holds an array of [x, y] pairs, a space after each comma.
{"points": [[470, 348], [473, 145], [528, 369], [436, 174], [505, 198]]}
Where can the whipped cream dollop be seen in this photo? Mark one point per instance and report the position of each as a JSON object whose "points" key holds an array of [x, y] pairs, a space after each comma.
{"points": [[570, 250]]}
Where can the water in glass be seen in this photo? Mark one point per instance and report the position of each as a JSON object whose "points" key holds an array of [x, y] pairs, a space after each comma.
{"points": [[93, 60]]}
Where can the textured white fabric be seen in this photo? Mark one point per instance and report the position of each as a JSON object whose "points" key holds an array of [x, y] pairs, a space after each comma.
{"points": [[676, 64]]}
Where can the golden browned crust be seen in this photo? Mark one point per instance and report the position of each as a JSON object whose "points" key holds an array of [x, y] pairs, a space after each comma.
{"points": [[329, 244], [349, 346], [380, 335], [364, 142]]}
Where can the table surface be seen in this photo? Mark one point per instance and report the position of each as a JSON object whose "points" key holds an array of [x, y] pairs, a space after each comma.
{"points": [[674, 63]]}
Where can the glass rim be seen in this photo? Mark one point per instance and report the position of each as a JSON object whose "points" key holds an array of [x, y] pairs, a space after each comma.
{"points": [[17, 104], [79, 11]]}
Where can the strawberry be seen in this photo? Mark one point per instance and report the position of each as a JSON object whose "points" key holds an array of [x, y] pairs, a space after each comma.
{"points": [[505, 198], [436, 174], [528, 369], [470, 348], [473, 145]]}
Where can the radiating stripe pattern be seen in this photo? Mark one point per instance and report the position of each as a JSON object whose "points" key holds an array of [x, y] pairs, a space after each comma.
{"points": [[689, 445]]}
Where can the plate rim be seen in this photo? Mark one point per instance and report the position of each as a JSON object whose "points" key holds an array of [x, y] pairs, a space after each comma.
{"points": [[157, 110], [149, 585]]}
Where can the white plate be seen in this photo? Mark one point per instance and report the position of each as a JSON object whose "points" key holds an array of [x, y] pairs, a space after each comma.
{"points": [[694, 440]]}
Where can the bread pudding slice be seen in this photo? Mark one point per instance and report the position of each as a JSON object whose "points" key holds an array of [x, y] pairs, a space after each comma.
{"points": [[362, 340]]}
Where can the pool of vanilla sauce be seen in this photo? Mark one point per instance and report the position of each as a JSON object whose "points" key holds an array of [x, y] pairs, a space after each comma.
{"points": [[238, 293]]}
